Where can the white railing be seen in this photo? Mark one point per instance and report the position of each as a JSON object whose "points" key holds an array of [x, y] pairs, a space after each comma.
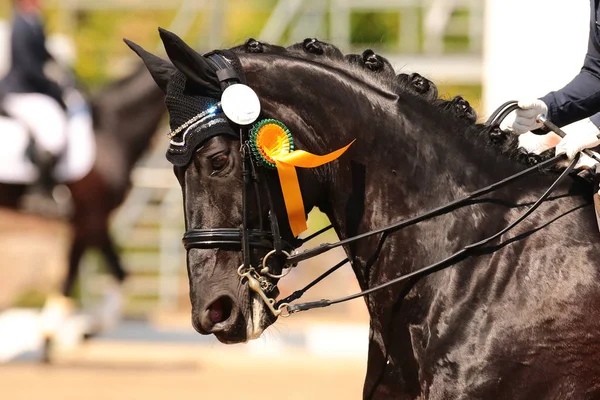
{"points": [[423, 27]]}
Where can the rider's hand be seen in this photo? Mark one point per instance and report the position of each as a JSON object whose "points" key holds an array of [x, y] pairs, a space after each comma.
{"points": [[525, 118], [586, 162], [583, 137]]}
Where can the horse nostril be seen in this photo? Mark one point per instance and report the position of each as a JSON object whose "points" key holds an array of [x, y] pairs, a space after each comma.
{"points": [[220, 310]]}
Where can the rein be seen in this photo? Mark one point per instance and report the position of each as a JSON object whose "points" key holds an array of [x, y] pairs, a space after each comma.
{"points": [[466, 200], [467, 251], [496, 117], [477, 248]]}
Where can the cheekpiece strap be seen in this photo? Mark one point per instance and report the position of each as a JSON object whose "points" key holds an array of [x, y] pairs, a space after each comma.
{"points": [[226, 73]]}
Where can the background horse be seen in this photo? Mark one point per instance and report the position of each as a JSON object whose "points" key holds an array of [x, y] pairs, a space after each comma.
{"points": [[513, 323], [126, 115]]}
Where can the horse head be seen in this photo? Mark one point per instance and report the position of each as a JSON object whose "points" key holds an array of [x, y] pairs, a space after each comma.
{"points": [[237, 211], [211, 167]]}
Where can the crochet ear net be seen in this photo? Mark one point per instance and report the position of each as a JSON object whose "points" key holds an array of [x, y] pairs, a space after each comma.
{"points": [[160, 70]]}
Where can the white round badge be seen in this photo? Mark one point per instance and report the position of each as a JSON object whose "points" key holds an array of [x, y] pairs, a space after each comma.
{"points": [[240, 104]]}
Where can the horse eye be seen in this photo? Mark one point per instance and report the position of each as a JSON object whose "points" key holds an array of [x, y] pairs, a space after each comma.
{"points": [[219, 162]]}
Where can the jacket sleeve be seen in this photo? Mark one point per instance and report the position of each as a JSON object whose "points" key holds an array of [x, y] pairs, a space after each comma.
{"points": [[581, 97]]}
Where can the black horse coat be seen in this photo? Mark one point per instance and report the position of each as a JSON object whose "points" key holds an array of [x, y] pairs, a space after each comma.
{"points": [[518, 322]]}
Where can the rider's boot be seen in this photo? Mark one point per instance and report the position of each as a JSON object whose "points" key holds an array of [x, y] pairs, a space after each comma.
{"points": [[41, 198], [46, 163]]}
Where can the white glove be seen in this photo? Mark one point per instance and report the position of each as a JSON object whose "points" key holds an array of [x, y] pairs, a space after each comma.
{"points": [[525, 118], [584, 137], [586, 162], [537, 144]]}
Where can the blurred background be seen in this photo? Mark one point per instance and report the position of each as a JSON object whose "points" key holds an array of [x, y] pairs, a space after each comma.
{"points": [[466, 47]]}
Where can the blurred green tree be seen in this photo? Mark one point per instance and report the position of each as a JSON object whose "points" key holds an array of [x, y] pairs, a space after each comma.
{"points": [[102, 56]]}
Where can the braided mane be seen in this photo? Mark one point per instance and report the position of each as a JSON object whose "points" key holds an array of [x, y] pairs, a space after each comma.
{"points": [[377, 68]]}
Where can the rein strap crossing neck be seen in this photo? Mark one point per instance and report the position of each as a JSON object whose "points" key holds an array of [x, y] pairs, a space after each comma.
{"points": [[467, 251], [246, 239]]}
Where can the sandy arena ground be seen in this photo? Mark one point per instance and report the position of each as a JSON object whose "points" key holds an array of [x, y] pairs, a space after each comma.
{"points": [[33, 253], [113, 370], [138, 371]]}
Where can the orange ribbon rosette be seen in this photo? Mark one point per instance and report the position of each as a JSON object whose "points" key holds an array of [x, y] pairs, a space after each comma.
{"points": [[273, 146]]}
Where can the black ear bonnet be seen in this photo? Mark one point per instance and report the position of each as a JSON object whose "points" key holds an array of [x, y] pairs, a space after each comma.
{"points": [[194, 118]]}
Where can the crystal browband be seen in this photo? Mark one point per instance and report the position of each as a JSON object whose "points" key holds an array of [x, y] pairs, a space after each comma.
{"points": [[211, 111]]}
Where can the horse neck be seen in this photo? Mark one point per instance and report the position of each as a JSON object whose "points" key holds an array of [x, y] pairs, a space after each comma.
{"points": [[409, 155], [127, 115]]}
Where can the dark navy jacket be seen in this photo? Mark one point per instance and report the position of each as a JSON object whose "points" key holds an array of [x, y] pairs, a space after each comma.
{"points": [[581, 97], [29, 55]]}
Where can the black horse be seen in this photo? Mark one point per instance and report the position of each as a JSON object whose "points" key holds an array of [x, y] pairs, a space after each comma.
{"points": [[516, 323], [126, 116]]}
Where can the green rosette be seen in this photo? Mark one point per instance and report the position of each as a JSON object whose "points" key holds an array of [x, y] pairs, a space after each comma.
{"points": [[264, 132]]}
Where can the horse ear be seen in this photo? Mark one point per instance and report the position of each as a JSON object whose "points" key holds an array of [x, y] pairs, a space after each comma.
{"points": [[192, 64], [161, 70]]}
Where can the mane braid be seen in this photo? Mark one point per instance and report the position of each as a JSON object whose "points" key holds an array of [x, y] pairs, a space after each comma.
{"points": [[350, 64], [311, 51]]}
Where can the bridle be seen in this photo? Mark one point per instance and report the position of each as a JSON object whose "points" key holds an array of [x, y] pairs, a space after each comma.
{"points": [[259, 276], [244, 238]]}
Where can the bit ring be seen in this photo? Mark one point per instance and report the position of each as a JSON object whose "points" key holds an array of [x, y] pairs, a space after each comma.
{"points": [[265, 268]]}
